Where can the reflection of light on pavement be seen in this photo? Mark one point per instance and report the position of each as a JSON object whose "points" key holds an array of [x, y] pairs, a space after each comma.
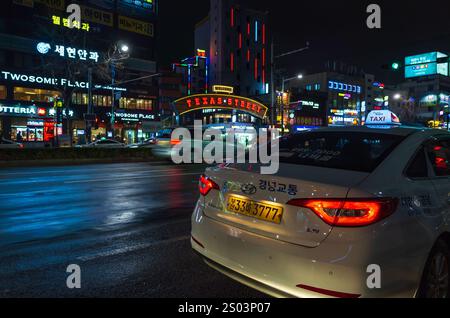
{"points": [[125, 217]]}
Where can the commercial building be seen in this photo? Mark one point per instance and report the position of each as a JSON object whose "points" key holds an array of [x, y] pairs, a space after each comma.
{"points": [[45, 61], [342, 96], [424, 95], [237, 41]]}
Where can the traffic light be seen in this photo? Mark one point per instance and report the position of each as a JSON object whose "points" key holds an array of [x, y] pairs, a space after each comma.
{"points": [[395, 66]]}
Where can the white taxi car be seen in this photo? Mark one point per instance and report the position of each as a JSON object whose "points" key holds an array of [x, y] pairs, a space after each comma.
{"points": [[352, 212]]}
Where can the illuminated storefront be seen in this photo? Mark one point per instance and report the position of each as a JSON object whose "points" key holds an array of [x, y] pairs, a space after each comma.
{"points": [[30, 123], [308, 113]]}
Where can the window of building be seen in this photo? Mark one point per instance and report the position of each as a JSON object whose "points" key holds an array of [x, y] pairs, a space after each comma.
{"points": [[134, 103], [3, 92], [35, 95]]}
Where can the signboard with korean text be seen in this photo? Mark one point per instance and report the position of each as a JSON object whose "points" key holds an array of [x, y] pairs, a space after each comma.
{"points": [[68, 52], [220, 101], [97, 16], [136, 26], [420, 70], [54, 4]]}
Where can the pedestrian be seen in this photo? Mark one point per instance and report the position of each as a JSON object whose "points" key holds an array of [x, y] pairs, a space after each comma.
{"points": [[19, 137]]}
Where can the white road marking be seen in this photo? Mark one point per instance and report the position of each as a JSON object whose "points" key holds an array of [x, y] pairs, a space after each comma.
{"points": [[132, 178], [130, 249]]}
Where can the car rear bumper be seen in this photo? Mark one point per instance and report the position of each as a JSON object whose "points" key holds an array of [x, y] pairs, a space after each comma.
{"points": [[282, 269]]}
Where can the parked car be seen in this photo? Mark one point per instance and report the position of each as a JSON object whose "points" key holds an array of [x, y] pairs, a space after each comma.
{"points": [[149, 143], [9, 144], [104, 143], [345, 203]]}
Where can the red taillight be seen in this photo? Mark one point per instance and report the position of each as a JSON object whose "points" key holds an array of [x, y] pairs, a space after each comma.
{"points": [[205, 185], [175, 142], [21, 146], [349, 212]]}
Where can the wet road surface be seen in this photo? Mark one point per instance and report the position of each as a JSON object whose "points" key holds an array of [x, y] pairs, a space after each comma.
{"points": [[126, 225]]}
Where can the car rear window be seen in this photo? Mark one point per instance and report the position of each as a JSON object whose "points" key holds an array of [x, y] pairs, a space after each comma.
{"points": [[356, 151]]}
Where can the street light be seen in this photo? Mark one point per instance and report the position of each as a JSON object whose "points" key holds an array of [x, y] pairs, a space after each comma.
{"points": [[118, 54], [272, 72], [397, 96], [284, 81], [124, 48]]}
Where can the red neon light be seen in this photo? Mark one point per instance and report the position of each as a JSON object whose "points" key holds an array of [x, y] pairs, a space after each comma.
{"points": [[248, 55], [248, 28], [232, 62], [264, 57], [240, 40], [42, 111], [256, 69], [232, 17], [264, 34], [264, 76]]}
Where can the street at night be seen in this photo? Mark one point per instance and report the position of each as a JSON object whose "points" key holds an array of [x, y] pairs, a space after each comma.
{"points": [[126, 225], [224, 156]]}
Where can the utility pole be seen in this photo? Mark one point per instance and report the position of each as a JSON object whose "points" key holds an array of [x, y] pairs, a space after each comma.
{"points": [[90, 108], [113, 102], [273, 118], [272, 72]]}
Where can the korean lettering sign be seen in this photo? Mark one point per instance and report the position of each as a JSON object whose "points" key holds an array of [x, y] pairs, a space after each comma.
{"points": [[97, 16], [68, 52], [57, 20], [136, 26]]}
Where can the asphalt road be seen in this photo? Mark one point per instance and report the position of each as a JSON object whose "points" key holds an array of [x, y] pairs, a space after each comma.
{"points": [[126, 225]]}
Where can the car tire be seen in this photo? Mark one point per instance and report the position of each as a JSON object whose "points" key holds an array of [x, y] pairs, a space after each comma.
{"points": [[436, 279]]}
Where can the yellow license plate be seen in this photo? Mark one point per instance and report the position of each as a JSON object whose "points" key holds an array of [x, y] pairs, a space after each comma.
{"points": [[258, 210]]}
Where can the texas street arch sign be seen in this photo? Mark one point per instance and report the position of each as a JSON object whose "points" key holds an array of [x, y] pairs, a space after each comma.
{"points": [[220, 101]]}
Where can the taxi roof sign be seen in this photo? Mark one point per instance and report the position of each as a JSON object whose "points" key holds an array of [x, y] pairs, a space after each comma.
{"points": [[382, 117]]}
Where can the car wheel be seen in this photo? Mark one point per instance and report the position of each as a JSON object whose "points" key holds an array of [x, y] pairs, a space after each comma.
{"points": [[436, 279]]}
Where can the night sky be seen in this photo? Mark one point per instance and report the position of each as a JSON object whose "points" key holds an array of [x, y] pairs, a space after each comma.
{"points": [[336, 30]]}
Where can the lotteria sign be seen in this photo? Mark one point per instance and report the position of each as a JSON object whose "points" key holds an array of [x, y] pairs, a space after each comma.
{"points": [[31, 111], [220, 101], [54, 81]]}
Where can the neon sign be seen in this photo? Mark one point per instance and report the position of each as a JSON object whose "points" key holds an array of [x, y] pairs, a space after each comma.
{"points": [[223, 89], [57, 20], [220, 101], [69, 52], [337, 86]]}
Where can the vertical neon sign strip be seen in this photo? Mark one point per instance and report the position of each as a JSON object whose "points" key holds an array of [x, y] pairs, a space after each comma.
{"points": [[248, 55], [189, 80], [264, 56], [232, 62], [264, 34], [248, 28], [240, 40], [256, 31], [232, 17], [256, 69], [207, 75]]}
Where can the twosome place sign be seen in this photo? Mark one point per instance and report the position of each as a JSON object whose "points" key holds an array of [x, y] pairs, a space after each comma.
{"points": [[220, 101]]}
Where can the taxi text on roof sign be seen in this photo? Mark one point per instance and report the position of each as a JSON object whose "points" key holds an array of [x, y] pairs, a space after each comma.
{"points": [[220, 101]]}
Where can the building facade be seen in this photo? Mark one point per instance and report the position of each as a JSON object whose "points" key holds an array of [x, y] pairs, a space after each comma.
{"points": [[45, 62], [345, 95], [237, 41]]}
